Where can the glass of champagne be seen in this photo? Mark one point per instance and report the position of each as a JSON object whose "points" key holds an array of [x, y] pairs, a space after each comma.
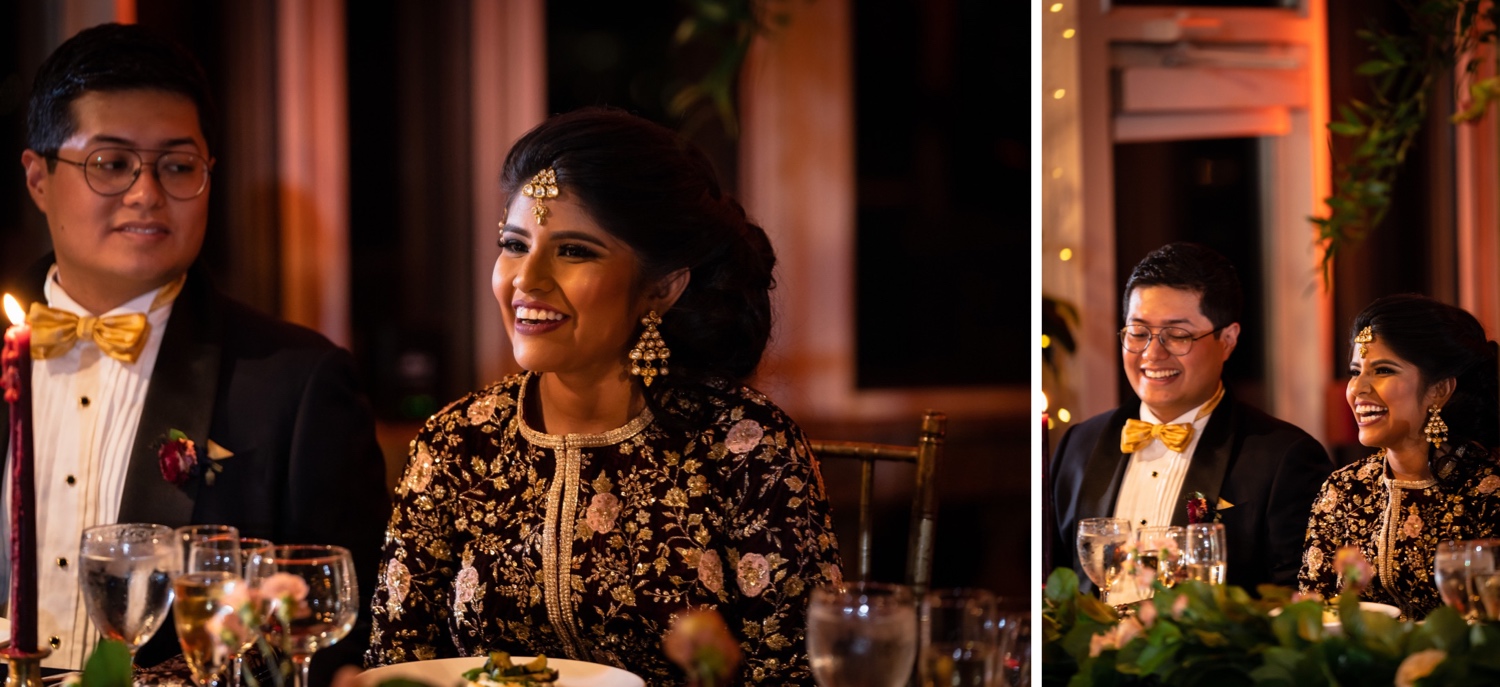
{"points": [[1484, 577], [862, 634], [216, 618], [1102, 549], [959, 637], [311, 599], [1205, 553], [127, 579], [1451, 572], [230, 554], [1160, 550]]}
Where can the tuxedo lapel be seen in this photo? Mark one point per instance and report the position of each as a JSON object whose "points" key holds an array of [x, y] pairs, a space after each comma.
{"points": [[1205, 473], [1105, 469], [181, 397]]}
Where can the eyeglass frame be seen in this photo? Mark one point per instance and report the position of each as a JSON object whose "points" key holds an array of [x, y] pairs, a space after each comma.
{"points": [[208, 169], [1159, 335]]}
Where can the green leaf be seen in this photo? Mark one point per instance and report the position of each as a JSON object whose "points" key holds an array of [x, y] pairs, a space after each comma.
{"points": [[1061, 585], [108, 666], [176, 435], [1374, 67]]}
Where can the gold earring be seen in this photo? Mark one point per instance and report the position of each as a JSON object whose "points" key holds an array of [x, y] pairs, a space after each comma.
{"points": [[1436, 430], [541, 187], [649, 351]]}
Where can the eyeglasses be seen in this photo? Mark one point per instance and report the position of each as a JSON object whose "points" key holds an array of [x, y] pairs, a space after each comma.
{"points": [[112, 171], [1136, 338]]}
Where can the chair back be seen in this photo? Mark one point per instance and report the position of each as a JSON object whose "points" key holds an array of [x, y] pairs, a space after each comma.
{"points": [[926, 455]]}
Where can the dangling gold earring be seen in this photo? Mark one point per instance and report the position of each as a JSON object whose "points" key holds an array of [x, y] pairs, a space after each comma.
{"points": [[1436, 430], [649, 351]]}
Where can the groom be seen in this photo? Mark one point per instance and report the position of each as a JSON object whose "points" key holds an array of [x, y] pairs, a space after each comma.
{"points": [[283, 444], [1185, 435]]}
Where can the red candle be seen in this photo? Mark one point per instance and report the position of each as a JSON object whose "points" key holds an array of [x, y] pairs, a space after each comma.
{"points": [[15, 361], [1049, 519]]}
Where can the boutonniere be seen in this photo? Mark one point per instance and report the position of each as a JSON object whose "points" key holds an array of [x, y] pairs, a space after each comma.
{"points": [[1198, 509], [179, 459]]}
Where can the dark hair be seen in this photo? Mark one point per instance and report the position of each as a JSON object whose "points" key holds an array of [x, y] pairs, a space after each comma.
{"points": [[1442, 341], [1191, 267], [110, 57], [660, 196]]}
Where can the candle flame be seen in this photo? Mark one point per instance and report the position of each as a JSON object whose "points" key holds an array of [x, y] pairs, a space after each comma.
{"points": [[1042, 397], [13, 310]]}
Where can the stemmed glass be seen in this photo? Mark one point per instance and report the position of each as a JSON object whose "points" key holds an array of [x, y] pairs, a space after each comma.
{"points": [[1205, 556], [1102, 544], [216, 616], [1484, 576], [229, 554], [862, 634], [1161, 549], [960, 638], [1451, 572], [189, 534], [127, 579], [311, 599]]}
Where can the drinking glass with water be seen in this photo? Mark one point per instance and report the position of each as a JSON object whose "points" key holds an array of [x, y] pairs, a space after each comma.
{"points": [[862, 634], [127, 579]]}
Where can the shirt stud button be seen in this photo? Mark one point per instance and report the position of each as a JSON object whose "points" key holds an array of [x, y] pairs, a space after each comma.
{"points": [[54, 642], [1143, 522], [71, 480], [62, 562], [1153, 473], [84, 401]]}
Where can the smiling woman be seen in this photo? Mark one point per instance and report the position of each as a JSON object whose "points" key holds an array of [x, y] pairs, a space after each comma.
{"points": [[1422, 387], [576, 509]]}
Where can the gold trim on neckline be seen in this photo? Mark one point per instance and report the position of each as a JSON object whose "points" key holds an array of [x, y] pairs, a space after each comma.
{"points": [[558, 441]]}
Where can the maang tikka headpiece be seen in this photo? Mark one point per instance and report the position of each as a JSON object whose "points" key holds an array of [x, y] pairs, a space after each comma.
{"points": [[541, 187], [1364, 338]]}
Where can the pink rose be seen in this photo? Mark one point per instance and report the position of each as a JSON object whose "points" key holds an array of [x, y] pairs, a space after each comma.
{"points": [[700, 643], [177, 458], [1351, 565]]}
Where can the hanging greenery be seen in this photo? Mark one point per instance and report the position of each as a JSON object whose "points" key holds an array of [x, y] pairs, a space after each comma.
{"points": [[1404, 70], [726, 27]]}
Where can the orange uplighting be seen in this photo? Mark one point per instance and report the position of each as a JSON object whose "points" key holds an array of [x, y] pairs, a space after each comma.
{"points": [[13, 310]]}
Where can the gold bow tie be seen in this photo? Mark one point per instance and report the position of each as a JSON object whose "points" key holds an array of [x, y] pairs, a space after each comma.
{"points": [[54, 332], [1139, 433]]}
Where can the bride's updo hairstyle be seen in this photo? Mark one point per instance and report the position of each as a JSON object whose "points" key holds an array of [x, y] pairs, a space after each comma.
{"points": [[659, 195], [1443, 341]]}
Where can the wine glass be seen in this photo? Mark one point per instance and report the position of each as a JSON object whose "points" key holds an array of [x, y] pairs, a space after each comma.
{"points": [[1451, 572], [960, 638], [1205, 552], [1484, 577], [862, 634], [127, 579], [192, 533], [1102, 546], [311, 599], [1161, 549], [230, 554], [1013, 619], [216, 617]]}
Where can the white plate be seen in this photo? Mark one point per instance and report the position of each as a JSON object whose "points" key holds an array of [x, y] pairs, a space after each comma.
{"points": [[447, 672]]}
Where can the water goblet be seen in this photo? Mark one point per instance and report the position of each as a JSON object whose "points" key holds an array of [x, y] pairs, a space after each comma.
{"points": [[1160, 550], [862, 634], [1451, 573], [127, 579], [1205, 553], [216, 617], [959, 636], [1102, 549], [311, 599]]}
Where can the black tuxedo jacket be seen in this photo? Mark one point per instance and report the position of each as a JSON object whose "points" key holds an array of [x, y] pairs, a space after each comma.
{"points": [[1268, 470], [306, 467]]}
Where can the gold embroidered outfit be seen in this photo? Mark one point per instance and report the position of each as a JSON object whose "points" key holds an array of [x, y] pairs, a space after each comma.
{"points": [[584, 546], [1397, 526]]}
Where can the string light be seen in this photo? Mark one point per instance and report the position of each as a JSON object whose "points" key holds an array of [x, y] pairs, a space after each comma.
{"points": [[1051, 423], [1059, 93], [1064, 415], [1065, 254], [1056, 172], [1046, 341], [1056, 7], [1068, 33]]}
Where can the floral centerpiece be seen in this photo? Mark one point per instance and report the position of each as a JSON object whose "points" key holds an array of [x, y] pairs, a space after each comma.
{"points": [[1201, 634]]}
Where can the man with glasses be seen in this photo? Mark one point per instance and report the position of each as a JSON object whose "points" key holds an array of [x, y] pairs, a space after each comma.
{"points": [[1186, 435], [134, 348]]}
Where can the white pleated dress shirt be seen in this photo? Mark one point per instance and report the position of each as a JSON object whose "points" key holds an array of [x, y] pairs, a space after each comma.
{"points": [[86, 410], [1153, 478]]}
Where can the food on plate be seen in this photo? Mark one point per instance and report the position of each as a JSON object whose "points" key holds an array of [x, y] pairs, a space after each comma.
{"points": [[499, 671]]}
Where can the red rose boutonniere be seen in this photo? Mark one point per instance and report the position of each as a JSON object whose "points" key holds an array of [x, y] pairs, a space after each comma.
{"points": [[179, 459], [1199, 510]]}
